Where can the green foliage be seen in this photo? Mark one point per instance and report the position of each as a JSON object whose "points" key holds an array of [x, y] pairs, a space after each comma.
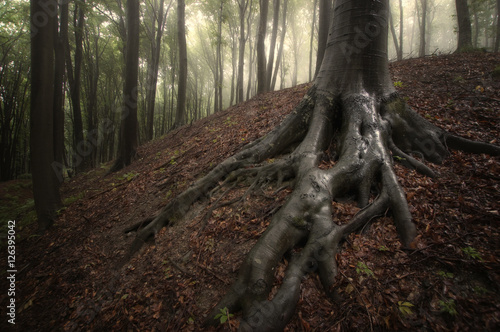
{"points": [[228, 122], [70, 200], [362, 268], [472, 253], [398, 84], [405, 308], [224, 315], [128, 176], [383, 248], [448, 307]]}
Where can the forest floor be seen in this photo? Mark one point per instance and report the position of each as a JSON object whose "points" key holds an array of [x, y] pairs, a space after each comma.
{"points": [[67, 280]]}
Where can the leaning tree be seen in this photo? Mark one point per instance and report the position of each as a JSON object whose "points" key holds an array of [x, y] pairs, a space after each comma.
{"points": [[353, 109]]}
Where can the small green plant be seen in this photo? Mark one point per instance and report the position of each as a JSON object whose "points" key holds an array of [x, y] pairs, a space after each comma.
{"points": [[405, 308], [448, 307], [362, 268], [480, 290], [224, 315], [128, 176], [70, 200], [398, 84], [398, 158], [472, 253], [446, 275], [383, 248], [229, 123]]}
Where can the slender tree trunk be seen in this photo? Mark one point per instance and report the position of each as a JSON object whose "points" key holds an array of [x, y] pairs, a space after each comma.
{"points": [[464, 26], [279, 59], [274, 36], [497, 37], [128, 130], [220, 59], [74, 79], [261, 48], [182, 86], [242, 5], [400, 51], [59, 96], [158, 23], [44, 176], [421, 51]]}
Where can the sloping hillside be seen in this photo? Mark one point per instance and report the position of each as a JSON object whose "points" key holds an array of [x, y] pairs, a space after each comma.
{"points": [[67, 279]]}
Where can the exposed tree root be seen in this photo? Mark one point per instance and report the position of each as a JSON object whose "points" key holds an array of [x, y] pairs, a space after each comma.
{"points": [[368, 132]]}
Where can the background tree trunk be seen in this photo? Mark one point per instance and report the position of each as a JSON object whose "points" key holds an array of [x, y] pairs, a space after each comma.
{"points": [[274, 36], [59, 97], [421, 50], [279, 58], [243, 6], [45, 182], [158, 18], [464, 26], [182, 86], [261, 48], [128, 130], [74, 80], [497, 37], [313, 25]]}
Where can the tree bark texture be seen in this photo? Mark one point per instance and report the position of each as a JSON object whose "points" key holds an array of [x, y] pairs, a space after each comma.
{"points": [[128, 130], [45, 182], [353, 109], [323, 27]]}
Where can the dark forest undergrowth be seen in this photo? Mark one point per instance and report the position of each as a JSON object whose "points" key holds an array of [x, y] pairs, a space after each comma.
{"points": [[67, 280]]}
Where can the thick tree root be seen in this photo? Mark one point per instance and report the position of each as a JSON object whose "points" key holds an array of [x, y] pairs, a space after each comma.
{"points": [[368, 133]]}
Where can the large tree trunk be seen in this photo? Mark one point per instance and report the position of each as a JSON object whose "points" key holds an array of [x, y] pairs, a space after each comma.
{"points": [[45, 182], [353, 109], [127, 144], [323, 26], [464, 26]]}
